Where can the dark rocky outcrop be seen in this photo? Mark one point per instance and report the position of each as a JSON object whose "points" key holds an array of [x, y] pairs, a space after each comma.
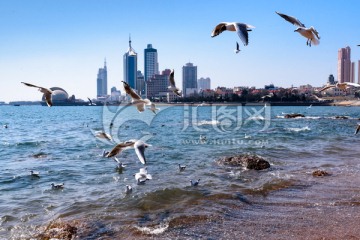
{"points": [[294, 115], [320, 173], [341, 117], [245, 160]]}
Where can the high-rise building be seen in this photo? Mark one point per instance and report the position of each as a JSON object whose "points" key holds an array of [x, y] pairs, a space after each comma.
{"points": [[140, 83], [151, 65], [102, 81], [358, 71], [331, 79], [189, 79], [344, 65], [157, 85], [130, 66], [352, 72], [203, 84]]}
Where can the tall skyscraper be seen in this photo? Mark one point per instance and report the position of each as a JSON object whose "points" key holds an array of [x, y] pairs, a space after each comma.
{"points": [[151, 65], [102, 81], [140, 83], [352, 72], [358, 71], [189, 79], [130, 66], [204, 83], [344, 65]]}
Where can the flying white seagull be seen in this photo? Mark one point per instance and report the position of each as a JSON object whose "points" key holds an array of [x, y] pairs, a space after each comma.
{"points": [[172, 86], [153, 108], [47, 92], [138, 145], [310, 33], [142, 176], [342, 86], [135, 98], [237, 49], [242, 30]]}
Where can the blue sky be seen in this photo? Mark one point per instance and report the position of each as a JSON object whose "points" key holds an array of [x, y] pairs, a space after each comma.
{"points": [[63, 43]]}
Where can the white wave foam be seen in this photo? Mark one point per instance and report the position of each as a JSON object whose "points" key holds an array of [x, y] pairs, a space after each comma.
{"points": [[154, 230], [208, 122], [303, 129]]}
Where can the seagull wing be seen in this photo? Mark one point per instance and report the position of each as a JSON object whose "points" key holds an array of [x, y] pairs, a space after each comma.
{"points": [[30, 85], [353, 84], [315, 32], [131, 91], [242, 32], [119, 148], [327, 87], [291, 19], [171, 78], [47, 95], [219, 29], [140, 151], [357, 129]]}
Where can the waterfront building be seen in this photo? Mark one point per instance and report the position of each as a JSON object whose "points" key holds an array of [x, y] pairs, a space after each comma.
{"points": [[151, 65], [102, 81], [189, 79], [203, 84], [130, 66], [157, 85], [140, 84]]}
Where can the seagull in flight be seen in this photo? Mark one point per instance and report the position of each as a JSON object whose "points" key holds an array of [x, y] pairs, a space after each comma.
{"points": [[47, 92], [103, 135], [237, 49], [310, 33], [138, 145], [153, 108], [142, 176], [172, 86], [342, 86], [135, 98], [357, 129], [242, 30]]}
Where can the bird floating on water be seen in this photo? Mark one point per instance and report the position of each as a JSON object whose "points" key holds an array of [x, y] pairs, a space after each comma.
{"points": [[182, 167], [135, 98], [34, 174], [142, 176], [57, 186], [194, 184], [120, 165], [138, 145], [241, 29], [172, 86], [310, 33], [47, 92], [128, 189]]}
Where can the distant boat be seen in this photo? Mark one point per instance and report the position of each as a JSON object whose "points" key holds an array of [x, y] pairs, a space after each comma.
{"points": [[17, 105]]}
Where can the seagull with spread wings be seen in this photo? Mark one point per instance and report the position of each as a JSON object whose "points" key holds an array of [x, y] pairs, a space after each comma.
{"points": [[135, 98], [342, 86], [172, 86], [310, 33], [138, 145], [47, 92], [241, 29]]}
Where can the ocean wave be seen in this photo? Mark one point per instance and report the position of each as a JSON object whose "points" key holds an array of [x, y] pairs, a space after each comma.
{"points": [[154, 230], [303, 129], [208, 122]]}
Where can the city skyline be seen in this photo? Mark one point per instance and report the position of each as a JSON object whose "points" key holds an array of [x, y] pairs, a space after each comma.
{"points": [[61, 44]]}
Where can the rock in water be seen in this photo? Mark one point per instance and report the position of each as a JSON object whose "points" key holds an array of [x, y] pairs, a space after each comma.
{"points": [[320, 173], [294, 115], [245, 160]]}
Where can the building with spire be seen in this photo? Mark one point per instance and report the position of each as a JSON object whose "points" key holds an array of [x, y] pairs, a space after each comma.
{"points": [[102, 82], [151, 65], [189, 72], [130, 66]]}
